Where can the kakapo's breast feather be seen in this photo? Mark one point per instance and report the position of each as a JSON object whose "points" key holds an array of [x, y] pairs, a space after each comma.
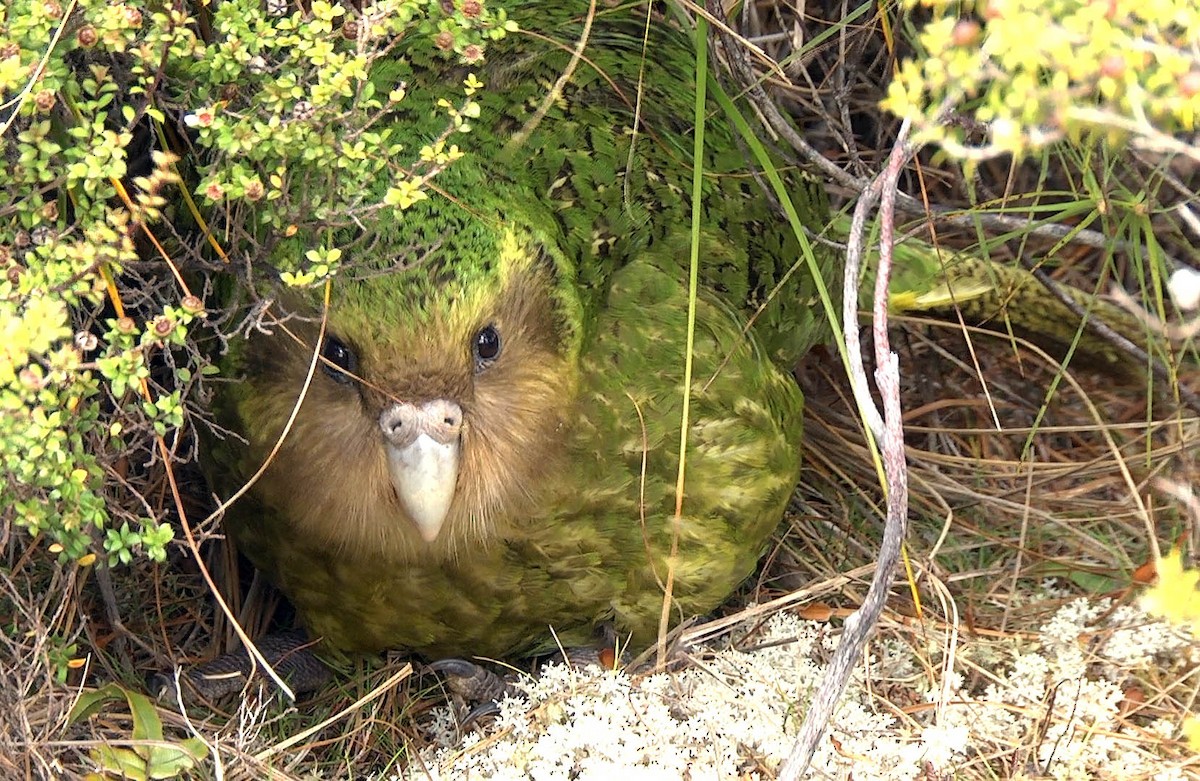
{"points": [[572, 246]]}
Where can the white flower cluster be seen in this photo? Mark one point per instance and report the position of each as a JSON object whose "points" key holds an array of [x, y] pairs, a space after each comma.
{"points": [[734, 714]]}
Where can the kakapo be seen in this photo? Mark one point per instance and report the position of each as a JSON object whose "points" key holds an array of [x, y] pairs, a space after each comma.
{"points": [[488, 447]]}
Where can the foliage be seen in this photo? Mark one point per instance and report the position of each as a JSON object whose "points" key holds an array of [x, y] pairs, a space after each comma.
{"points": [[150, 754], [75, 369], [280, 101], [291, 112], [1035, 72]]}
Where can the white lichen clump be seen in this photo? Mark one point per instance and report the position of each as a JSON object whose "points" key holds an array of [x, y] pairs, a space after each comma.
{"points": [[733, 714]]}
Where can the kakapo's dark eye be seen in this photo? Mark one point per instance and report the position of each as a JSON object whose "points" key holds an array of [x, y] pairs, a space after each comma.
{"points": [[486, 346], [340, 362]]}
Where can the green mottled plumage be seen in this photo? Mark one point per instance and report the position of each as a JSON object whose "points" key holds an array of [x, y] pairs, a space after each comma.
{"points": [[575, 247]]}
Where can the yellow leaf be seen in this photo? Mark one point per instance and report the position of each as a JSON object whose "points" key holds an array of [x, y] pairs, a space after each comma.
{"points": [[1174, 596], [1191, 731]]}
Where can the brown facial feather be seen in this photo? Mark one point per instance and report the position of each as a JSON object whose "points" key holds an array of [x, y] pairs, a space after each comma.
{"points": [[330, 477]]}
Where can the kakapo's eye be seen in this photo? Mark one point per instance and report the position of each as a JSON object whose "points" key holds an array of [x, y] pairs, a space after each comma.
{"points": [[486, 347], [340, 362]]}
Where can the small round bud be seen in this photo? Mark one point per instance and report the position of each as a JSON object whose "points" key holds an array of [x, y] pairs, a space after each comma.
{"points": [[126, 325], [133, 17], [1112, 66], [44, 100], [9, 49], [965, 33], [43, 234], [473, 53], [192, 305], [86, 341], [14, 273], [303, 110], [472, 9], [255, 190], [87, 36], [50, 211], [31, 379], [444, 41], [52, 9], [350, 30], [1189, 84], [22, 240], [214, 191], [163, 326]]}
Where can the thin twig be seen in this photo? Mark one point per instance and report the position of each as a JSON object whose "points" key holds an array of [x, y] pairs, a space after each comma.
{"points": [[888, 430]]}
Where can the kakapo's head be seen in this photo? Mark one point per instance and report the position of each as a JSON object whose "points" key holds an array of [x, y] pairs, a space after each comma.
{"points": [[445, 375]]}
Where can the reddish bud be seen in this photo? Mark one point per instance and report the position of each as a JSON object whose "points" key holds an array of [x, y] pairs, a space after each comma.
{"points": [[87, 37], [30, 379], [965, 33], [1189, 84], [44, 100], [1112, 66]]}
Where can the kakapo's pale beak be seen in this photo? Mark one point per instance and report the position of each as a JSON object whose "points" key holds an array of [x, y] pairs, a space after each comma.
{"points": [[423, 444]]}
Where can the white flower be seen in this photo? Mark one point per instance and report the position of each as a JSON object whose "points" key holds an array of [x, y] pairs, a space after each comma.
{"points": [[1184, 286]]}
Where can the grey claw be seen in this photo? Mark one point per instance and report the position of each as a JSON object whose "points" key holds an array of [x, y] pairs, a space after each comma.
{"points": [[480, 711]]}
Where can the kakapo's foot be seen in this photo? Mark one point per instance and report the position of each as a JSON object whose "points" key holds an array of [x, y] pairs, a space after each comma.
{"points": [[483, 688], [289, 654], [478, 686]]}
